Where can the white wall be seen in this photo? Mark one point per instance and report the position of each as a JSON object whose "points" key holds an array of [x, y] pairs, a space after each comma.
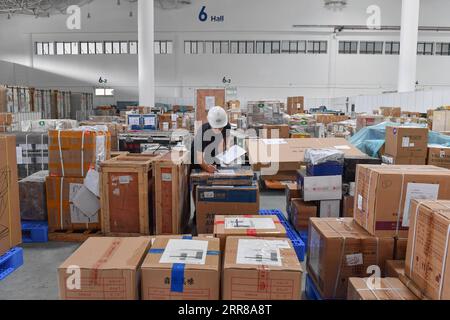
{"points": [[256, 76]]}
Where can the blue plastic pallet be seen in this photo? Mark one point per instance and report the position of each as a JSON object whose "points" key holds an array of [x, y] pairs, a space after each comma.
{"points": [[299, 245], [304, 236], [310, 289], [34, 232], [10, 262]]}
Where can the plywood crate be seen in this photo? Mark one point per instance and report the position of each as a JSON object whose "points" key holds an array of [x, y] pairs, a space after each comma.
{"points": [[172, 197], [127, 195]]}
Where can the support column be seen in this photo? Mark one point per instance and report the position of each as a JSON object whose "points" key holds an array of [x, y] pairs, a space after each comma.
{"points": [[408, 46], [146, 52]]}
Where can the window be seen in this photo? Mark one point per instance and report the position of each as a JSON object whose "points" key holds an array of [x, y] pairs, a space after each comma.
{"points": [[317, 47], [425, 48], [108, 47], [224, 47], [443, 49], [163, 47], [371, 47], [44, 48], [99, 47], [276, 47], [91, 47], [104, 92], [133, 47], [194, 47], [267, 47], [116, 47], [124, 47], [392, 47], [59, 48], [67, 48], [348, 47], [39, 48], [242, 47], [259, 47], [293, 46], [234, 47]]}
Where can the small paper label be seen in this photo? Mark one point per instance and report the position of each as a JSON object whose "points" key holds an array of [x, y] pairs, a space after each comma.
{"points": [[405, 142], [166, 177], [250, 223], [342, 147], [418, 191], [259, 252], [360, 202], [174, 117], [208, 194], [354, 259], [124, 179], [185, 252]]}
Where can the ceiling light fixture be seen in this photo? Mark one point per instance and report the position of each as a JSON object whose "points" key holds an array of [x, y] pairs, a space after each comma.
{"points": [[335, 4]]}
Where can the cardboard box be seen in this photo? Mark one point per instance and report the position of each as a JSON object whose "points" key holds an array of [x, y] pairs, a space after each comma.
{"points": [[182, 268], [172, 194], [301, 212], [348, 203], [339, 249], [329, 118], [33, 197], [392, 112], [383, 195], [319, 188], [226, 177], [387, 159], [261, 269], [295, 105], [427, 258], [224, 200], [441, 120], [330, 209], [289, 154], [439, 156], [406, 142], [363, 121], [10, 228], [291, 192], [281, 176], [109, 269], [167, 122], [62, 213], [127, 195], [395, 268], [73, 152], [280, 131], [241, 225], [386, 289]]}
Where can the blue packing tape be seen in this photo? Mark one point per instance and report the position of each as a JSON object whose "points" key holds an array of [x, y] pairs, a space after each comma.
{"points": [[156, 251], [187, 237], [213, 253], [177, 278]]}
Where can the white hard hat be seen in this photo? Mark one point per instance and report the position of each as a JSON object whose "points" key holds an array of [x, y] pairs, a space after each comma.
{"points": [[217, 118]]}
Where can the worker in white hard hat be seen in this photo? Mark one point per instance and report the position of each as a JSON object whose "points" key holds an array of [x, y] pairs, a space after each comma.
{"points": [[213, 139]]}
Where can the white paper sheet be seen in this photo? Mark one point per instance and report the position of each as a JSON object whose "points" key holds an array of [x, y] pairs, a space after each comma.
{"points": [[185, 251], [418, 191], [250, 223]]}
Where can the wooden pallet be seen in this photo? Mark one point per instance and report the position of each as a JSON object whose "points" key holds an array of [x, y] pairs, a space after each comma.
{"points": [[73, 235]]}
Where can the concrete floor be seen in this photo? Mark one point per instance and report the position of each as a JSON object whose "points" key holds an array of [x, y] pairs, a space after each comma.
{"points": [[37, 279]]}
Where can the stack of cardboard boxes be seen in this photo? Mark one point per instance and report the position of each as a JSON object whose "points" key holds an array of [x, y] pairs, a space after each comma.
{"points": [[72, 155]]}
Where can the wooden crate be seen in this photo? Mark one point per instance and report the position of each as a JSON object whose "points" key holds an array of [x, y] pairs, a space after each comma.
{"points": [[172, 197], [127, 195]]}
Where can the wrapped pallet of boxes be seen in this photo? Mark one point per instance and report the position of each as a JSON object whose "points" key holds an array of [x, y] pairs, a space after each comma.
{"points": [[406, 145], [73, 152], [427, 261], [127, 195], [172, 200], [109, 269], [33, 199], [32, 153], [261, 269], [224, 200], [255, 226], [384, 193], [339, 249], [10, 229], [44, 125], [182, 268], [385, 289]]}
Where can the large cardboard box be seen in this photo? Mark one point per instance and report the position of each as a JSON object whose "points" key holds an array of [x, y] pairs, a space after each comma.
{"points": [[127, 195], [289, 154], [182, 268], [33, 198], [261, 269], [339, 249], [5, 121], [73, 152], [172, 196], [301, 212], [62, 213], [226, 177], [247, 225], [428, 253], [319, 187], [439, 156], [224, 200], [10, 228], [441, 120], [392, 112], [383, 195], [385, 289], [109, 269], [363, 121], [406, 142], [280, 131], [295, 105]]}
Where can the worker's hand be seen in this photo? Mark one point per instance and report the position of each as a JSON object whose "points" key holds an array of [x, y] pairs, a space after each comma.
{"points": [[209, 168]]}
